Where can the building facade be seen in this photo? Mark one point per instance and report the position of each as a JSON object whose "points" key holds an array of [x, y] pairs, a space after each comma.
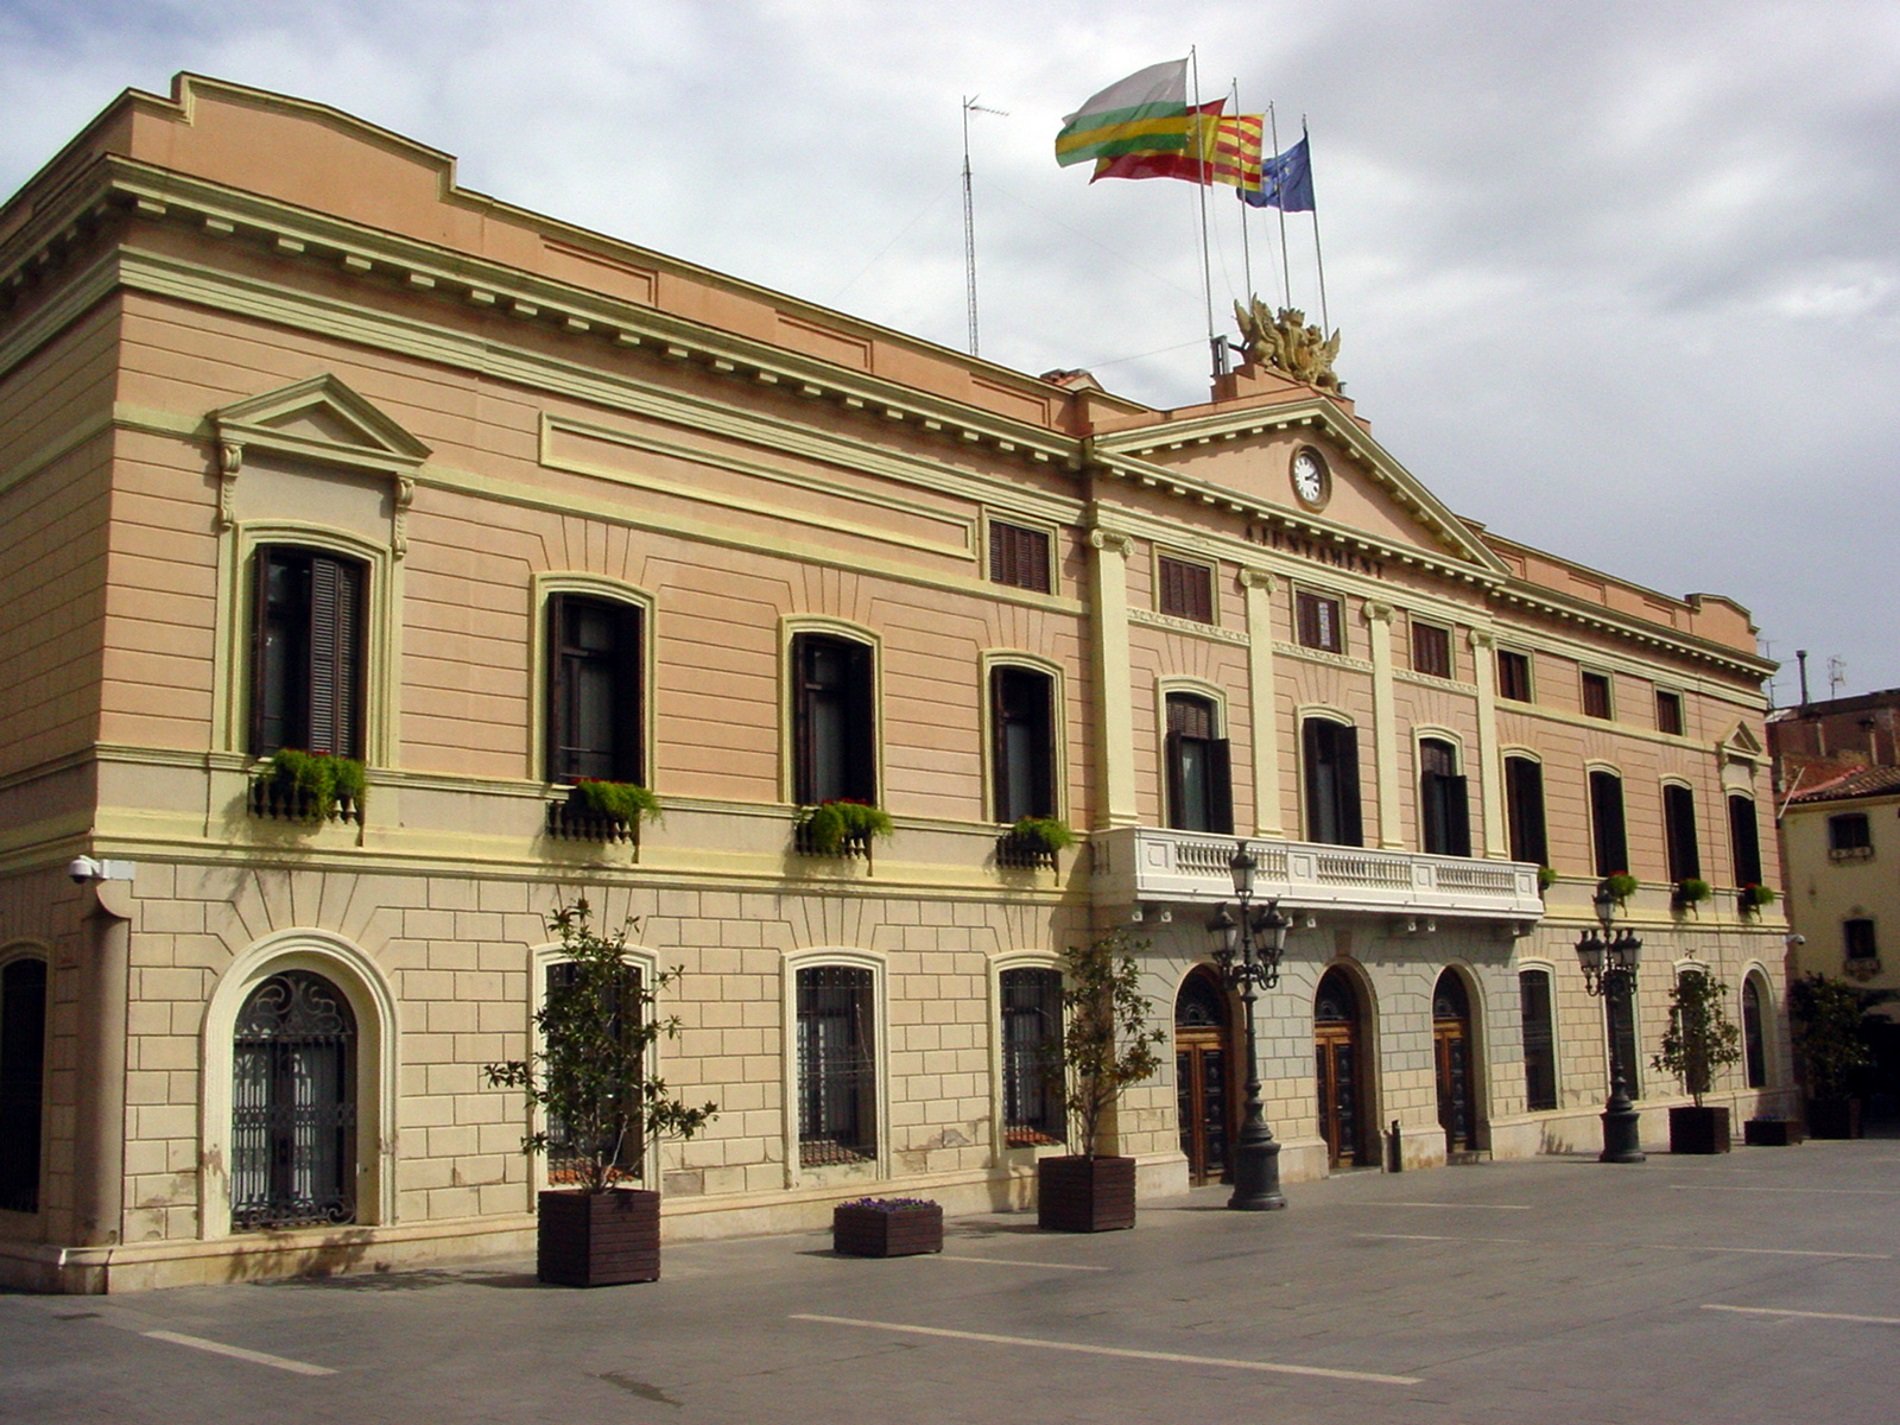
{"points": [[306, 449]]}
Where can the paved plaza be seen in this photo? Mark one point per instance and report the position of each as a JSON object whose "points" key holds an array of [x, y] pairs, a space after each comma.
{"points": [[1761, 1286]]}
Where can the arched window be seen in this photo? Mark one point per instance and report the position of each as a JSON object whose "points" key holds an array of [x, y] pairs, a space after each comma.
{"points": [[1331, 754], [293, 1105], [1444, 803], [837, 1066], [1033, 1113], [1540, 1042], [1754, 1045], [22, 1082], [1199, 767]]}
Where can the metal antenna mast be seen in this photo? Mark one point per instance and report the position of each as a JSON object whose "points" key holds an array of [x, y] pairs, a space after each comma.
{"points": [[970, 106]]}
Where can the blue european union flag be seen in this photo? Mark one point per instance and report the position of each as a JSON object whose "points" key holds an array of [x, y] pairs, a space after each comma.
{"points": [[1286, 182]]}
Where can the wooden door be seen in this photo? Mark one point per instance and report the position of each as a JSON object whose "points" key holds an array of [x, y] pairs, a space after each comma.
{"points": [[1203, 1078], [1337, 1057], [1451, 1050]]}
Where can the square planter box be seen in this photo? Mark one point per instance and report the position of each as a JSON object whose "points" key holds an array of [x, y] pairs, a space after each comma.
{"points": [[872, 1232], [1834, 1118], [1077, 1194], [1699, 1130], [598, 1239], [1770, 1133]]}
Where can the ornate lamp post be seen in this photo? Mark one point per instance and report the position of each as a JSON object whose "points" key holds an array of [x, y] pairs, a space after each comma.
{"points": [[1248, 951], [1609, 973]]}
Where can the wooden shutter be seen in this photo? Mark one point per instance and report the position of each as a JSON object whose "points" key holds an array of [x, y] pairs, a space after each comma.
{"points": [[1685, 858], [1177, 785], [1524, 787], [1457, 816], [560, 697], [1606, 821], [260, 632], [334, 668], [1220, 786], [1346, 748]]}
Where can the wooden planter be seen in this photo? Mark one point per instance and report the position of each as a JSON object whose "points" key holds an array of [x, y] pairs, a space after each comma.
{"points": [[1699, 1130], [598, 1239], [1834, 1118], [1080, 1194], [1770, 1133], [873, 1232]]}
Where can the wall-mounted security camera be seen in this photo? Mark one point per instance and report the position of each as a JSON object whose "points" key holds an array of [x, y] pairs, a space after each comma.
{"points": [[84, 870], [1795, 942]]}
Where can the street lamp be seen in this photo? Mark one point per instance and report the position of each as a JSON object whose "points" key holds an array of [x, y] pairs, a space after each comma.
{"points": [[1248, 951], [1609, 973]]}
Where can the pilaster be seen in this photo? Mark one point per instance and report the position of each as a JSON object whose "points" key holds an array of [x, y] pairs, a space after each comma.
{"points": [[1259, 586], [1484, 671], [1114, 697], [1385, 731]]}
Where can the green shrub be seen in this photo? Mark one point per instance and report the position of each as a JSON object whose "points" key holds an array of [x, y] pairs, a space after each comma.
{"points": [[317, 779], [829, 826], [1045, 833], [622, 801]]}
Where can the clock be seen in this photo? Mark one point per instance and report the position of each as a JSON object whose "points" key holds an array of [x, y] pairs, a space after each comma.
{"points": [[1312, 484]]}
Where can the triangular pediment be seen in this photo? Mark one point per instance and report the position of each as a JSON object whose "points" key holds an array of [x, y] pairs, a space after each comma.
{"points": [[1246, 456], [321, 419], [1741, 745]]}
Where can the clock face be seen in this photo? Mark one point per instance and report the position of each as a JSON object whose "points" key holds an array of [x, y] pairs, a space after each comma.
{"points": [[1310, 481]]}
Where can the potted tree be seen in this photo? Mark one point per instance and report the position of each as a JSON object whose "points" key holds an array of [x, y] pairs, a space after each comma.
{"points": [[1825, 1016], [1700, 1039], [1106, 1047], [591, 1080]]}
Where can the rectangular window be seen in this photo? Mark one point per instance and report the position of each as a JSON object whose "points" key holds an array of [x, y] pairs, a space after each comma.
{"points": [[1514, 676], [1331, 754], [1187, 589], [1199, 768], [22, 1082], [595, 717], [627, 1130], [1669, 713], [1524, 807], [1431, 650], [1318, 623], [837, 1068], [1540, 1041], [1607, 838], [1858, 939], [1685, 858], [1744, 839], [1019, 557], [1032, 1034], [307, 652], [1444, 801], [1596, 695], [834, 735], [1022, 723], [1849, 836]]}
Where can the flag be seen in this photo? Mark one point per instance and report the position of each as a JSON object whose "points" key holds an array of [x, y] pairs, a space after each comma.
{"points": [[1237, 150], [1143, 113], [1286, 182], [1195, 161]]}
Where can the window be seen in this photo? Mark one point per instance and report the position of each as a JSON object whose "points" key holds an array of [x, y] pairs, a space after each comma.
{"points": [[1431, 650], [1022, 752], [1524, 809], [837, 1068], [1669, 713], [1199, 768], [1540, 1041], [1596, 695], [1444, 803], [1019, 557], [1621, 1016], [1685, 859], [833, 728], [1318, 624], [1514, 676], [307, 652], [1849, 837], [1754, 1045], [627, 1131], [1744, 839], [22, 1082], [293, 1105], [1858, 937], [1608, 842], [1187, 589], [1032, 1032], [596, 725], [1331, 751]]}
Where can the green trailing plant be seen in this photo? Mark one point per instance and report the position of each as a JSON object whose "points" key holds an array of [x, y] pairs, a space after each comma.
{"points": [[1043, 833], [592, 1073], [620, 801], [316, 780], [1621, 885], [1700, 1038], [830, 826], [1754, 896], [1692, 890], [1106, 1046], [1825, 1016], [1546, 877]]}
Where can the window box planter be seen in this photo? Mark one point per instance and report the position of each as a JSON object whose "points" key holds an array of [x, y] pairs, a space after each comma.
{"points": [[1034, 841], [886, 1227], [598, 1238], [602, 811], [1771, 1133], [308, 787], [1690, 892], [1620, 884], [1699, 1130], [839, 828], [1083, 1194], [1751, 898]]}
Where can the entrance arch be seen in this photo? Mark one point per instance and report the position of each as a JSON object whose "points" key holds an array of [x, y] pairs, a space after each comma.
{"points": [[1204, 1076], [1339, 1034], [1452, 1056]]}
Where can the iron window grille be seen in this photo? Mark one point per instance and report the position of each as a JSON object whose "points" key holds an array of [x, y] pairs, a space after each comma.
{"points": [[293, 1106], [1032, 1035], [837, 1067]]}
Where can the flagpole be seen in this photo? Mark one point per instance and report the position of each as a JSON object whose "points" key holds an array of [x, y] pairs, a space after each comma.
{"points": [[1319, 259], [1286, 272], [1246, 237], [1217, 349]]}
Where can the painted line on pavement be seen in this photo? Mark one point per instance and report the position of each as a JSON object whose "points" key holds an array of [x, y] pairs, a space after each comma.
{"points": [[1422, 1237], [1832, 1192], [1809, 1315], [1636, 1246], [1473, 1206], [1172, 1357], [1766, 1251], [259, 1358], [1009, 1262]]}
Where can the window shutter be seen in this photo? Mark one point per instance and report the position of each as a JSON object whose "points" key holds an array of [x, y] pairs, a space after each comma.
{"points": [[1220, 788], [1346, 752], [560, 734], [629, 698], [999, 730], [862, 753], [1457, 816], [260, 628], [332, 655], [1744, 839], [1177, 788]]}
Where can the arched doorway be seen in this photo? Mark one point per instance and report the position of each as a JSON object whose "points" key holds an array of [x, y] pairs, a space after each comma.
{"points": [[293, 1105], [1451, 1053], [1203, 1076], [1338, 1029]]}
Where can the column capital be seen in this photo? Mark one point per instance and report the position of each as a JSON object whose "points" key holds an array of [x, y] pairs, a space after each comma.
{"points": [[1376, 612], [1111, 541], [1483, 638], [1261, 579]]}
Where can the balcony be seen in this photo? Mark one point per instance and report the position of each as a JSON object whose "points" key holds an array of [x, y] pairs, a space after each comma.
{"points": [[1140, 863]]}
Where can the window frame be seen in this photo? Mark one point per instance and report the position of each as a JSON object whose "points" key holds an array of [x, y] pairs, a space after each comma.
{"points": [[1596, 686], [1444, 798], [1181, 583], [1608, 833], [1348, 792], [1850, 836], [1003, 565], [1744, 845], [998, 669], [1681, 842], [1671, 706], [1859, 941], [1511, 662], [1756, 1016], [1015, 1133], [1216, 762], [342, 729], [630, 659], [1518, 831], [1311, 624], [1534, 1102], [859, 751], [1437, 637], [875, 1163]]}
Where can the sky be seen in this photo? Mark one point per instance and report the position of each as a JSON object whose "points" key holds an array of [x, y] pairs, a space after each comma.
{"points": [[1619, 280]]}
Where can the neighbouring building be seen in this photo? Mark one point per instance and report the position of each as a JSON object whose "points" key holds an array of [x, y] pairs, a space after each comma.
{"points": [[305, 448]]}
